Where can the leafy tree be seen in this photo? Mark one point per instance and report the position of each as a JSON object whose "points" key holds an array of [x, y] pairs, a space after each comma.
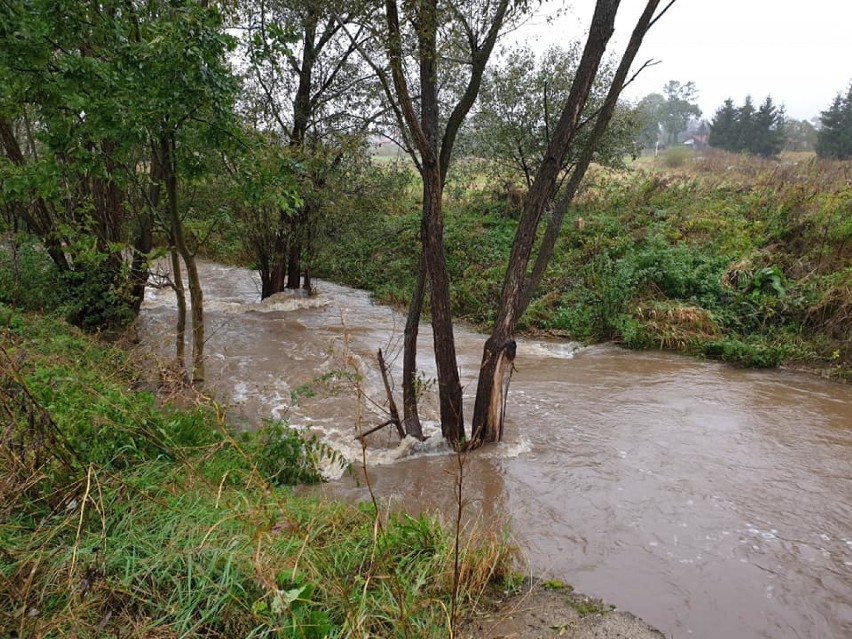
{"points": [[834, 139], [449, 45], [69, 165], [800, 135], [520, 280], [432, 130], [649, 110], [105, 107], [307, 87], [181, 57], [678, 109], [666, 116], [518, 112]]}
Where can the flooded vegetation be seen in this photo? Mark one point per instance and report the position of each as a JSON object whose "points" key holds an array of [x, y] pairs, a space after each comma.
{"points": [[614, 339], [673, 487]]}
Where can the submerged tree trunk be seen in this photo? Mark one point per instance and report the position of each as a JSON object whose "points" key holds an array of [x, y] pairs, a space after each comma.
{"points": [[307, 280], [294, 265], [499, 352], [270, 247], [411, 418], [273, 276], [435, 152], [286, 270], [308, 258], [449, 385]]}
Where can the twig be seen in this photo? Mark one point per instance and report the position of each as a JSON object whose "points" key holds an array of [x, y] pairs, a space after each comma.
{"points": [[394, 413], [361, 435], [359, 394], [461, 458]]}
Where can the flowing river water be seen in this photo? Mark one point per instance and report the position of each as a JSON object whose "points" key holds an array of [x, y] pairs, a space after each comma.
{"points": [[711, 501]]}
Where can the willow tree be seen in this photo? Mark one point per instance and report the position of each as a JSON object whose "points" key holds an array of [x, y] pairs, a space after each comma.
{"points": [[449, 43], [69, 160], [182, 49], [519, 110], [99, 104], [525, 269], [306, 87]]}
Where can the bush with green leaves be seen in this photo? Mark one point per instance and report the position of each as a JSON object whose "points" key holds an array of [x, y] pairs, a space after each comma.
{"points": [[676, 156], [28, 278], [285, 456]]}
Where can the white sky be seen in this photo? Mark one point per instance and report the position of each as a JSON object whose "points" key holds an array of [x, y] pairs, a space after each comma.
{"points": [[800, 53]]}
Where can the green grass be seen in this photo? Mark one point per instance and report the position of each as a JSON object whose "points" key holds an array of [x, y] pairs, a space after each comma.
{"points": [[122, 517]]}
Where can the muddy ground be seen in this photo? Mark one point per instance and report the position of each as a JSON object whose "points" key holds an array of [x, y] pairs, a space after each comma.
{"points": [[547, 610]]}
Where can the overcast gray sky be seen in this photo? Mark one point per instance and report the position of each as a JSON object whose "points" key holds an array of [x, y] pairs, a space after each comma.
{"points": [[800, 53]]}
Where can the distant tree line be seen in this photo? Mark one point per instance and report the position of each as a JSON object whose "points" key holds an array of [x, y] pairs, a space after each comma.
{"points": [[673, 117]]}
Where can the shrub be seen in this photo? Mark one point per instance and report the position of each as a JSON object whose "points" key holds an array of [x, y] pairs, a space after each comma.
{"points": [[28, 278], [747, 353], [676, 156], [285, 456]]}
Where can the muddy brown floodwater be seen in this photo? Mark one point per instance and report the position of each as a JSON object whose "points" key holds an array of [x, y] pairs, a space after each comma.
{"points": [[710, 501]]}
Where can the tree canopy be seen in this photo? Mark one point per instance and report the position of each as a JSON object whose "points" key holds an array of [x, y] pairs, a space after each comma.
{"points": [[519, 112], [87, 93], [666, 116], [115, 116]]}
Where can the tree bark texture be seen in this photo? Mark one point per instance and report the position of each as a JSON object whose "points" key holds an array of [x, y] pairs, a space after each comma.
{"points": [[180, 325], [449, 385]]}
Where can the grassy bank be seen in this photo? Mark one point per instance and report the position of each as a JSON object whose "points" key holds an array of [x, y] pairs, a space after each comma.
{"points": [[121, 516], [725, 257]]}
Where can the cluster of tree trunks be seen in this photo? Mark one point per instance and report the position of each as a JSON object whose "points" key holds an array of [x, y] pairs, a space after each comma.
{"points": [[432, 155]]}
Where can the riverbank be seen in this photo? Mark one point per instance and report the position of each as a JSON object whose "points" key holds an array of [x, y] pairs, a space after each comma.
{"points": [[728, 258], [123, 512], [551, 609]]}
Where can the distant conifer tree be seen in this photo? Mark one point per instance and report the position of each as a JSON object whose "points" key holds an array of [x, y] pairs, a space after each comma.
{"points": [[722, 127], [834, 139]]}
